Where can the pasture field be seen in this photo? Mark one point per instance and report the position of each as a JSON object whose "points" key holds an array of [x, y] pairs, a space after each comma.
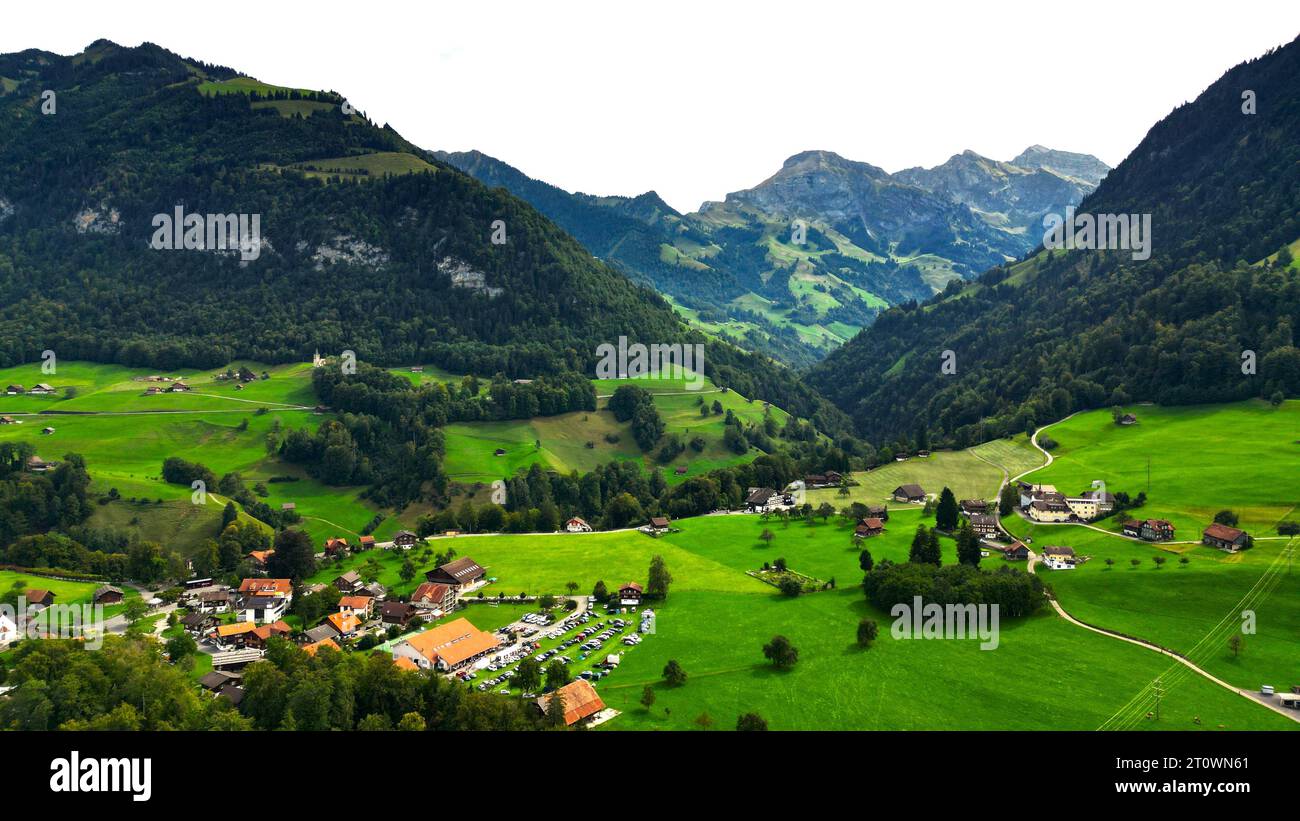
{"points": [[1244, 457], [471, 446], [65, 592], [1193, 608], [1044, 674], [125, 435], [975, 473]]}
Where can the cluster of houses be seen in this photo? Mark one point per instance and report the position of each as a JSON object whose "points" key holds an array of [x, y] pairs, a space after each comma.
{"points": [[766, 499], [1044, 503], [178, 386], [40, 389]]}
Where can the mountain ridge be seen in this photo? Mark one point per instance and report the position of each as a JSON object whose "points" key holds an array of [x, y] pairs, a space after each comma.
{"points": [[732, 267]]}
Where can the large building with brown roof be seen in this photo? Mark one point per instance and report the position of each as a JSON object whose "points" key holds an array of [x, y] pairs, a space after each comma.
{"points": [[448, 646], [434, 596], [460, 573], [580, 701], [1225, 537]]}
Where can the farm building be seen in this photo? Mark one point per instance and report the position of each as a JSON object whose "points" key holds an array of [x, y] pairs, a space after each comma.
{"points": [[335, 547], [984, 524], [108, 595], [577, 525], [579, 699], [909, 493], [1154, 530], [761, 499], [972, 506], [37, 597], [629, 595], [1016, 551], [1225, 538], [869, 527], [405, 539], [459, 574], [1059, 557]]}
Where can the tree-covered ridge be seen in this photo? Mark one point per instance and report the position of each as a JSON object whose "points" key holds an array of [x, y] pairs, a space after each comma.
{"points": [[396, 268], [1036, 340]]}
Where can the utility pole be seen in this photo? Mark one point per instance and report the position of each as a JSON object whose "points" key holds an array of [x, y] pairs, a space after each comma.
{"points": [[1159, 691], [1148, 475]]}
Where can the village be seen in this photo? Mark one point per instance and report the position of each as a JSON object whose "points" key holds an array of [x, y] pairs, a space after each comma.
{"points": [[432, 629]]}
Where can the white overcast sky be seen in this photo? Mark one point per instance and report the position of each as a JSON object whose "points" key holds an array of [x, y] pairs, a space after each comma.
{"points": [[696, 99]]}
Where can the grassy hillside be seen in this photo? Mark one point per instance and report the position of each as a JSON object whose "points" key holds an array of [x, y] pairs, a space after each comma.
{"points": [[471, 446], [1241, 457], [716, 619], [125, 435]]}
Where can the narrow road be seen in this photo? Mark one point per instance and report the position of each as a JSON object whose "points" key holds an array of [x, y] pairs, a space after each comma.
{"points": [[1186, 662]]}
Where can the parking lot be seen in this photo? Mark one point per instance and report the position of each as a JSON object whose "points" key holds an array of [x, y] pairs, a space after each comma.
{"points": [[590, 644]]}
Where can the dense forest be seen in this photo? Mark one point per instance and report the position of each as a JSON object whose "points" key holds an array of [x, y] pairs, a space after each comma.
{"points": [[1206, 319], [129, 685]]}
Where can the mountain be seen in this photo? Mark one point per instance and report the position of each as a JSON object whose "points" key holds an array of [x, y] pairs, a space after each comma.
{"points": [[351, 237], [873, 239], [1209, 317]]}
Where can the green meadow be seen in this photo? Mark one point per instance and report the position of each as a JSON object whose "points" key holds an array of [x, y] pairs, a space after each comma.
{"points": [[103, 413], [1243, 457], [564, 439], [1044, 674], [975, 473]]}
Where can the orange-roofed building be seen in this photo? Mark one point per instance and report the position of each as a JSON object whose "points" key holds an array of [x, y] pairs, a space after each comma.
{"points": [[405, 663], [448, 646], [266, 587], [259, 557], [263, 633], [345, 624], [310, 649], [580, 701], [236, 633]]}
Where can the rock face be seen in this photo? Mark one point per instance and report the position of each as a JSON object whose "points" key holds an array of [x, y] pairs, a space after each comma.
{"points": [[344, 249], [100, 220], [1083, 167], [463, 276]]}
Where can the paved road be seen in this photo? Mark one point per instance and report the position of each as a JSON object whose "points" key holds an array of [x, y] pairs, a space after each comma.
{"points": [[1060, 611]]}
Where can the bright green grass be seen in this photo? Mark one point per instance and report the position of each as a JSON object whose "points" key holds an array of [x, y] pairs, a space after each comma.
{"points": [[241, 85], [1191, 608], [64, 592], [471, 446], [373, 165], [1045, 673], [126, 442], [1244, 457]]}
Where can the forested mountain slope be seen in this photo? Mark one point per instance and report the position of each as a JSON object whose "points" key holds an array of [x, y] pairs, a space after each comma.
{"points": [[366, 242]]}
